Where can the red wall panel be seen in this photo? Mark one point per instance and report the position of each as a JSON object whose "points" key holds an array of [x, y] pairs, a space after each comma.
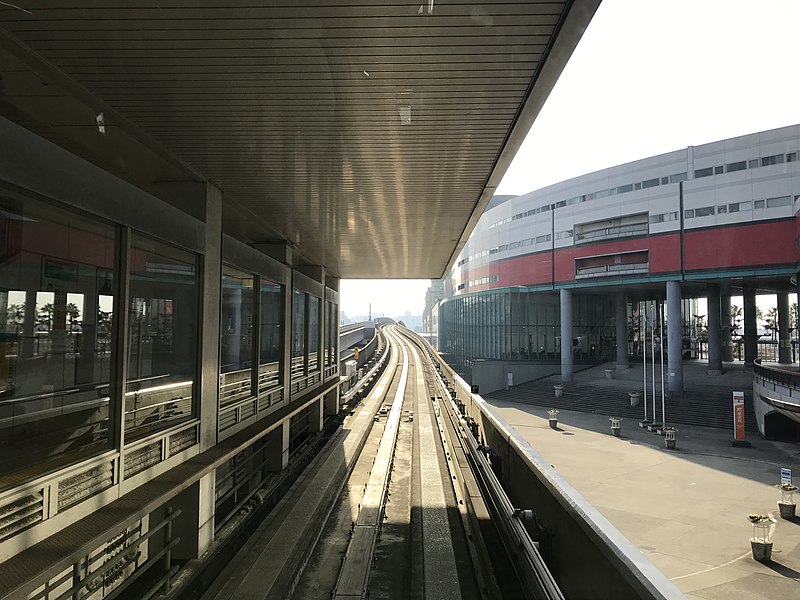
{"points": [[751, 245]]}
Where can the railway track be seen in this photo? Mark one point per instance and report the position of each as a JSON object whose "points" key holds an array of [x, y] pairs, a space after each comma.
{"points": [[401, 512]]}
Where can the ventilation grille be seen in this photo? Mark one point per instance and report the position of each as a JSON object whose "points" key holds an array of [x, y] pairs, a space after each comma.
{"points": [[88, 483], [142, 458], [20, 514], [182, 440]]}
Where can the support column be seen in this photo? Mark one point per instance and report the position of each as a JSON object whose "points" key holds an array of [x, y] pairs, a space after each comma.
{"points": [[713, 307], [784, 336], [331, 402], [674, 338], [622, 331], [316, 415], [209, 334], [750, 326], [278, 450], [195, 525], [725, 319], [567, 368]]}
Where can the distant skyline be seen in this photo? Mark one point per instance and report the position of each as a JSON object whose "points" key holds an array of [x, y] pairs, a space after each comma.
{"points": [[647, 77]]}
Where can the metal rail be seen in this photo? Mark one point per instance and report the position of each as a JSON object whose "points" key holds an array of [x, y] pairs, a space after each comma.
{"points": [[357, 562], [537, 581]]}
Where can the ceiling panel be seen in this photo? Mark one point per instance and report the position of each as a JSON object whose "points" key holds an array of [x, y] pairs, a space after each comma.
{"points": [[367, 136]]}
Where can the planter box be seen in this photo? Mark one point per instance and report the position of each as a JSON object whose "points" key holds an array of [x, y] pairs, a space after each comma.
{"points": [[762, 551], [787, 510]]}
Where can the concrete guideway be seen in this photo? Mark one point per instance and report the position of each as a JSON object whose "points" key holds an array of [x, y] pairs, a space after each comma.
{"points": [[685, 510]]}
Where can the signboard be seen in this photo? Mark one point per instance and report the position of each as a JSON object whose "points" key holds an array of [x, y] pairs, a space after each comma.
{"points": [[738, 416], [786, 475]]}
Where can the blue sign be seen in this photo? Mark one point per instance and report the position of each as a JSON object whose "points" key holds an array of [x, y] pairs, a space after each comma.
{"points": [[786, 475]]}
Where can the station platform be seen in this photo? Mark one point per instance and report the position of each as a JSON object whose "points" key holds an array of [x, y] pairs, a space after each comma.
{"points": [[685, 509]]}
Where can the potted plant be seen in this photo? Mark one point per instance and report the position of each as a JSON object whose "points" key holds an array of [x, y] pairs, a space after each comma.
{"points": [[669, 437], [786, 504], [609, 373], [616, 425], [558, 389], [553, 417], [634, 398], [761, 542]]}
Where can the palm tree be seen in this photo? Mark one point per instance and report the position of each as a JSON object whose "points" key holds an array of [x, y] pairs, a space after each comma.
{"points": [[771, 322]]}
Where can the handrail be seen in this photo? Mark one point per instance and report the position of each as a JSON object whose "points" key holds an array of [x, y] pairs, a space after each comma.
{"points": [[790, 379]]}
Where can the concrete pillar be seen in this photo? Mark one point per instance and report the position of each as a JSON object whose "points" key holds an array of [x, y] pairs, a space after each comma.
{"points": [[622, 331], [674, 338], [567, 369], [713, 307], [750, 326], [331, 402], [195, 525], [784, 336], [278, 447], [725, 321], [316, 415]]}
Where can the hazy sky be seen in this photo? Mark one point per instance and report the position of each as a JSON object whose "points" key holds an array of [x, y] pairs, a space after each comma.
{"points": [[647, 77]]}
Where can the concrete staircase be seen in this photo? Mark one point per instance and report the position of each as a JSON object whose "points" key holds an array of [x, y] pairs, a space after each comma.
{"points": [[707, 401]]}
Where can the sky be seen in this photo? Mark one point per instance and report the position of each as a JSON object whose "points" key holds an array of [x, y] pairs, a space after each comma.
{"points": [[647, 77]]}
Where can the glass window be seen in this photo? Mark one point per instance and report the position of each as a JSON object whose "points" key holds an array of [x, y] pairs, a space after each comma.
{"points": [[601, 194], [236, 327], [162, 336], [688, 214], [656, 218], [677, 177], [736, 166], [791, 157], [313, 333], [664, 180], [705, 211], [698, 173], [298, 334], [56, 302], [758, 204], [637, 186], [775, 159], [753, 163], [650, 183], [718, 170], [625, 188], [270, 357], [782, 201], [722, 209]]}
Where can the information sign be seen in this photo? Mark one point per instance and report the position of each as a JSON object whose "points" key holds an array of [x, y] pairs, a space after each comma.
{"points": [[786, 475], [738, 416]]}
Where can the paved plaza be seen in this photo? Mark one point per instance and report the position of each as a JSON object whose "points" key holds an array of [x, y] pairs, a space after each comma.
{"points": [[685, 509]]}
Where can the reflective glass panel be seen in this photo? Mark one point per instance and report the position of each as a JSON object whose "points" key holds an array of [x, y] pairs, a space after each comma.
{"points": [[236, 336], [56, 303], [269, 371], [162, 336]]}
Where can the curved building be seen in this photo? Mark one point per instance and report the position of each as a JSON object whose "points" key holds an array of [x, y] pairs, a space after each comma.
{"points": [[658, 234]]}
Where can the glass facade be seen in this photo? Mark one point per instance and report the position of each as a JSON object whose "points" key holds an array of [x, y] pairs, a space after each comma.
{"points": [[236, 335], [56, 321], [513, 324], [313, 333], [299, 308], [162, 336], [271, 341]]}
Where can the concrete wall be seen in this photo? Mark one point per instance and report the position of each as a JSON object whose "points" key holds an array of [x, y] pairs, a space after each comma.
{"points": [[492, 375]]}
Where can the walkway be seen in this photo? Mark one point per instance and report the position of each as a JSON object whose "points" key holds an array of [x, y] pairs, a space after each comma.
{"points": [[686, 509]]}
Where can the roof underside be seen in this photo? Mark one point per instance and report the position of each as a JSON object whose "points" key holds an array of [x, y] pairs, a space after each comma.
{"points": [[368, 136]]}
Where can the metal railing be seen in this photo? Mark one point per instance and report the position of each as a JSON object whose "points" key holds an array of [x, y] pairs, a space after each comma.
{"points": [[789, 379]]}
